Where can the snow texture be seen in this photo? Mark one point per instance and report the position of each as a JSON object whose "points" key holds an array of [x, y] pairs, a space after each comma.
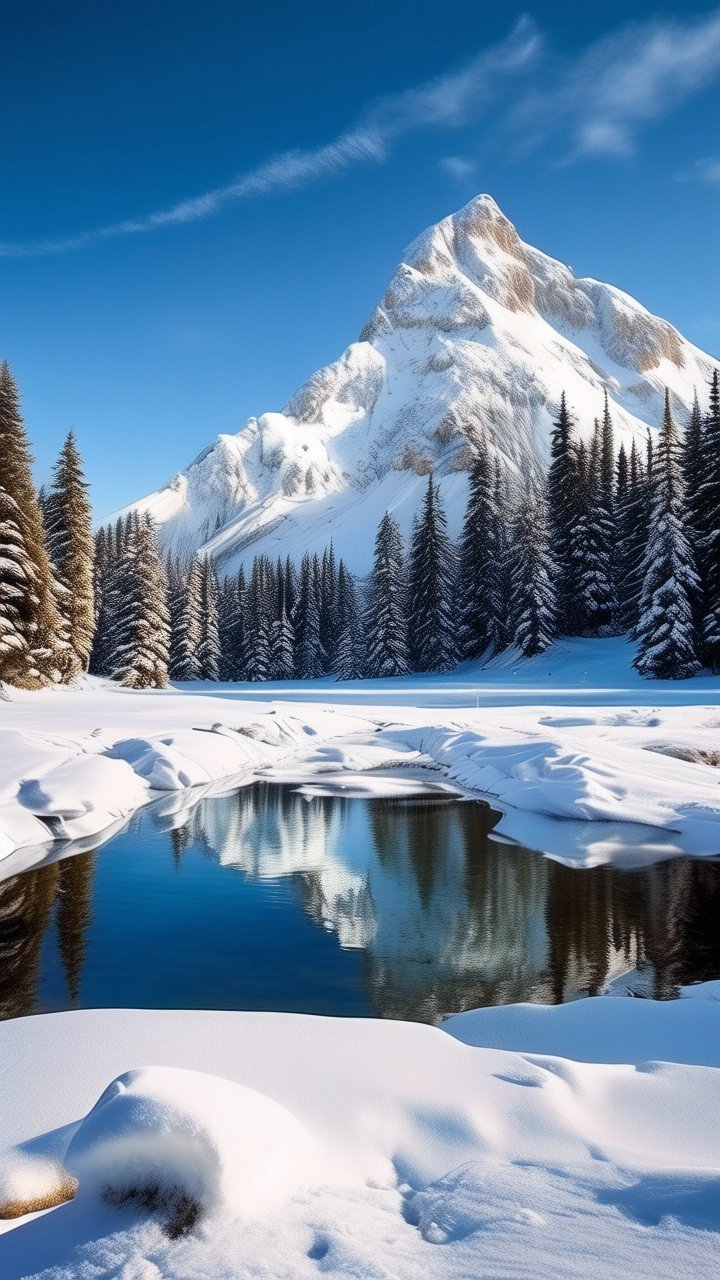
{"points": [[476, 329], [587, 761], [367, 1148]]}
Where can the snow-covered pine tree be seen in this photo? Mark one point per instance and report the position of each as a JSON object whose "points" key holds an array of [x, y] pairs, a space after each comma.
{"points": [[175, 572], [228, 623], [186, 660], [501, 580], [258, 620], [386, 614], [291, 587], [209, 647], [692, 463], [478, 558], [533, 616], [144, 622], [563, 501], [633, 513], [309, 653], [431, 578], [350, 654], [38, 658], [665, 630], [592, 545], [329, 608], [102, 560], [707, 516], [68, 525], [282, 633], [241, 647], [607, 461], [16, 583]]}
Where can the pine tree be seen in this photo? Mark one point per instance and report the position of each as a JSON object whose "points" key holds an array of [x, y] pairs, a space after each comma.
{"points": [[350, 655], [665, 631], [17, 578], [432, 626], [101, 569], [501, 580], [591, 543], [386, 615], [329, 609], [144, 621], [282, 635], [309, 653], [533, 618], [186, 661], [228, 627], [176, 603], [38, 655], [209, 646], [563, 497], [241, 646], [692, 465], [478, 559], [68, 525], [707, 517], [631, 537], [258, 620]]}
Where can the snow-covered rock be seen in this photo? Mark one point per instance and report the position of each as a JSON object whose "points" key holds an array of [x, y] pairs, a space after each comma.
{"points": [[187, 1144], [476, 329]]}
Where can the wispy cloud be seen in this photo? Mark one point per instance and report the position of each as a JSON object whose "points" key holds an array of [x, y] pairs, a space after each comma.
{"points": [[457, 167], [447, 101], [706, 170], [596, 105], [600, 101]]}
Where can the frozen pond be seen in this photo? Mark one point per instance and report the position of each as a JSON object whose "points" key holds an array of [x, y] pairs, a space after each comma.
{"points": [[398, 908]]}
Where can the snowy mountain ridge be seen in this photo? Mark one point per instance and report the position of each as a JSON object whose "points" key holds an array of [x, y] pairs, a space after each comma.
{"points": [[477, 330]]}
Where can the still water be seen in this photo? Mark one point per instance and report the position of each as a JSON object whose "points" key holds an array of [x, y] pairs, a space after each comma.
{"points": [[407, 908]]}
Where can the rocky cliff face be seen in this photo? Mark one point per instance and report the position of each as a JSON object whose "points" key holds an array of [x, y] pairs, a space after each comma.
{"points": [[476, 331]]}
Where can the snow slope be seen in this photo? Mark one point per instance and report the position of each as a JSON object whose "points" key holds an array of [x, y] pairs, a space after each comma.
{"points": [[476, 329], [361, 1148]]}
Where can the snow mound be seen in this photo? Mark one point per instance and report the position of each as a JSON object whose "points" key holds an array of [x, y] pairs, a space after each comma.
{"points": [[186, 1144]]}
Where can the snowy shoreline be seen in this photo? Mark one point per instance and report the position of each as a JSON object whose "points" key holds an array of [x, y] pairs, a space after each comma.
{"points": [[617, 777], [579, 1140]]}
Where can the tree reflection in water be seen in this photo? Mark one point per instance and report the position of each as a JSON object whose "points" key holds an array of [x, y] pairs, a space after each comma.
{"points": [[441, 915]]}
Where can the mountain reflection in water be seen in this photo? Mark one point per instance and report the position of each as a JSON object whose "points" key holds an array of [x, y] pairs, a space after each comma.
{"points": [[398, 908]]}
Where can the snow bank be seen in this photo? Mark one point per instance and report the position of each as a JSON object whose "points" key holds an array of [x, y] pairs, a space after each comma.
{"points": [[607, 1029], [572, 746], [395, 1149]]}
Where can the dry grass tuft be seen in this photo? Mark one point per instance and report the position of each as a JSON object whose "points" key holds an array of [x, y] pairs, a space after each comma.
{"points": [[65, 1189]]}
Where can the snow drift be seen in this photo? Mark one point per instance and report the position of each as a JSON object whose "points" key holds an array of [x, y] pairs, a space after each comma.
{"points": [[398, 1150], [476, 329]]}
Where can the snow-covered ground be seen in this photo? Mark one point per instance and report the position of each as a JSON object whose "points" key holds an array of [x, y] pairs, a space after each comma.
{"points": [[587, 761], [581, 1141]]}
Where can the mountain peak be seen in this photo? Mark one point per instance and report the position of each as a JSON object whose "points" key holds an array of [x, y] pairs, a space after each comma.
{"points": [[476, 331]]}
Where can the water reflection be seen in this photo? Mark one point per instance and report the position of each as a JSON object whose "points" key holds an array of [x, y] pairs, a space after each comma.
{"points": [[414, 910]]}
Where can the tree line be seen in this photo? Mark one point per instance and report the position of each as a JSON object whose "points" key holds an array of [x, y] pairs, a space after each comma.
{"points": [[611, 542]]}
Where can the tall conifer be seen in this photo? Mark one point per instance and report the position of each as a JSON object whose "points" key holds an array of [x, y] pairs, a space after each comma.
{"points": [[68, 523], [665, 630]]}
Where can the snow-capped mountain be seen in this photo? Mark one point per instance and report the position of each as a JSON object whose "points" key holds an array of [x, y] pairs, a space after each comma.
{"points": [[476, 331]]}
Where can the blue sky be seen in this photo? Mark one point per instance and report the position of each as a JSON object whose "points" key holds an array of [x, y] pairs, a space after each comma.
{"points": [[201, 203]]}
